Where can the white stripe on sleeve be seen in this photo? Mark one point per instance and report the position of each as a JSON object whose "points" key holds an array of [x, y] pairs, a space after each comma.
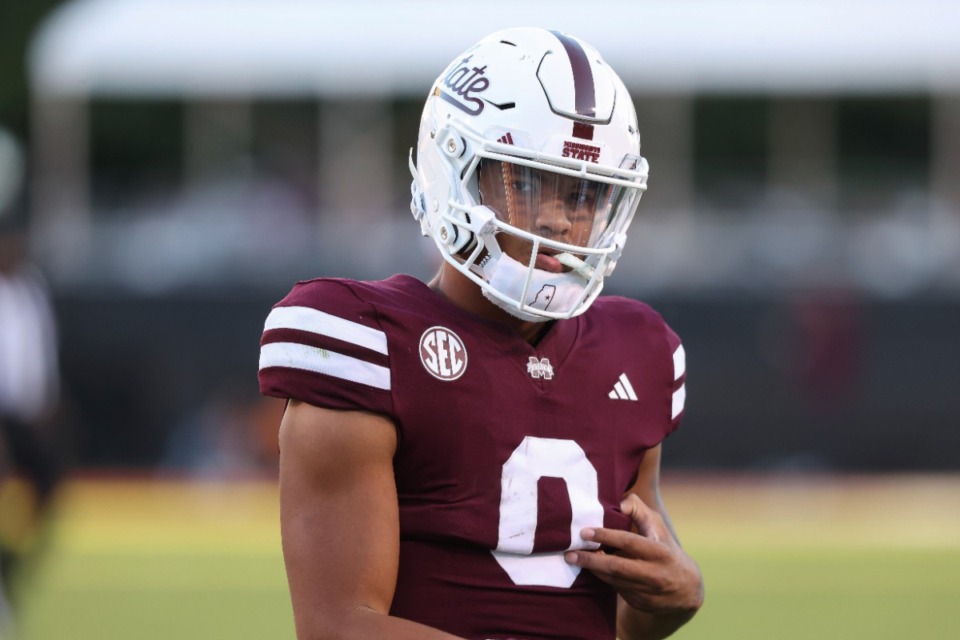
{"points": [[679, 398], [307, 358], [679, 362], [324, 324]]}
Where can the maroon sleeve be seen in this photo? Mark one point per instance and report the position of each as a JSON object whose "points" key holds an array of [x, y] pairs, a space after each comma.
{"points": [[323, 344]]}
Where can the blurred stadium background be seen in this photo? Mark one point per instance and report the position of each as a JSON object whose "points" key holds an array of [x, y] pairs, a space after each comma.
{"points": [[188, 161]]}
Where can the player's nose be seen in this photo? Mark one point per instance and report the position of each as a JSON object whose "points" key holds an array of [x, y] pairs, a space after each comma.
{"points": [[552, 220]]}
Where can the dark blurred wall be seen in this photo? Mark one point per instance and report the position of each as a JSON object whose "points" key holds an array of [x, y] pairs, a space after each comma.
{"points": [[820, 382], [809, 382]]}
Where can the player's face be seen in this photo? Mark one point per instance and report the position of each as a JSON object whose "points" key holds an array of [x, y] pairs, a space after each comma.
{"points": [[560, 208]]}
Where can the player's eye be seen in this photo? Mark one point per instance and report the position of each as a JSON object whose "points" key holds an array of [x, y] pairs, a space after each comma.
{"points": [[581, 196], [524, 187]]}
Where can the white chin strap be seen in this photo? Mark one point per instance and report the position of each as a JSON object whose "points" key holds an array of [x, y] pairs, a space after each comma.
{"points": [[557, 293]]}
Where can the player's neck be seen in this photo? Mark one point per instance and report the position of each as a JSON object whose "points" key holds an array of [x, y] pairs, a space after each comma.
{"points": [[458, 289]]}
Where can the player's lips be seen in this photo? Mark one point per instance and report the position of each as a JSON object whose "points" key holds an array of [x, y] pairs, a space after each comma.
{"points": [[546, 262]]}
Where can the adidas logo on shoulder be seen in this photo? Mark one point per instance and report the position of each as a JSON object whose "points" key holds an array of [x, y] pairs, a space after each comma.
{"points": [[623, 390]]}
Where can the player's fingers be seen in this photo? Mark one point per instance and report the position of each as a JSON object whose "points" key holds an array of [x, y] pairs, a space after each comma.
{"points": [[647, 520], [616, 570], [626, 543]]}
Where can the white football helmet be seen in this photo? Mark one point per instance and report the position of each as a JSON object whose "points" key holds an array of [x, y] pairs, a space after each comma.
{"points": [[529, 171]]}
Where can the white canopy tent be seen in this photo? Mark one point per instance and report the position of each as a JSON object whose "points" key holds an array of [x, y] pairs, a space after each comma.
{"points": [[385, 47], [378, 49]]}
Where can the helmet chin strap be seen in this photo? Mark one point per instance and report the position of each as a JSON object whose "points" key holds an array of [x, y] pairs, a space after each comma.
{"points": [[553, 292]]}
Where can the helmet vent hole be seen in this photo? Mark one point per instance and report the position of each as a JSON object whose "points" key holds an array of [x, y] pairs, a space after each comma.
{"points": [[507, 42]]}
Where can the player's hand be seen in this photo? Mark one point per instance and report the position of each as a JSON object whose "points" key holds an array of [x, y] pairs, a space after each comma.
{"points": [[648, 568]]}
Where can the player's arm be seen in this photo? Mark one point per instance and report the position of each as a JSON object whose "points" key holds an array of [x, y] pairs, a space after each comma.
{"points": [[340, 524], [660, 587]]}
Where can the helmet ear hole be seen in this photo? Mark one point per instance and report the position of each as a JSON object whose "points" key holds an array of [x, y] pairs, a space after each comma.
{"points": [[466, 240]]}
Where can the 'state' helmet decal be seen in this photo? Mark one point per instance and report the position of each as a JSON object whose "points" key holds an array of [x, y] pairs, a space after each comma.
{"points": [[466, 82]]}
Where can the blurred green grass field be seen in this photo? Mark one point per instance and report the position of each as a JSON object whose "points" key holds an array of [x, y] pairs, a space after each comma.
{"points": [[784, 558]]}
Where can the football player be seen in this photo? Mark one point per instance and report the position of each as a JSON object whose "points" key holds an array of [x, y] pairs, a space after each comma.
{"points": [[31, 440], [478, 456]]}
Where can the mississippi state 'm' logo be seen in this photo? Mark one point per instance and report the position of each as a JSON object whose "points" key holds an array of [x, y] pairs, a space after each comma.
{"points": [[539, 368], [442, 353]]}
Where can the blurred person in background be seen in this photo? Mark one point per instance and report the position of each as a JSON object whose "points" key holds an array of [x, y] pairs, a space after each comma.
{"points": [[479, 456], [30, 463]]}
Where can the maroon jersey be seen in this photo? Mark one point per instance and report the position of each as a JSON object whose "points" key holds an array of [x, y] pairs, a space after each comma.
{"points": [[506, 450]]}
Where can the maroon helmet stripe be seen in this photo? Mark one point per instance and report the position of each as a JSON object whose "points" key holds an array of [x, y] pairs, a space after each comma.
{"points": [[585, 94], [583, 131]]}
